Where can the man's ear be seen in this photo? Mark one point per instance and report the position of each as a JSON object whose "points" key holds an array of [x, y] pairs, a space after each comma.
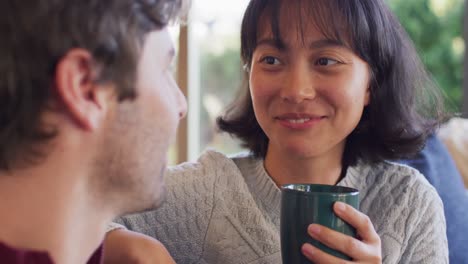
{"points": [[84, 100]]}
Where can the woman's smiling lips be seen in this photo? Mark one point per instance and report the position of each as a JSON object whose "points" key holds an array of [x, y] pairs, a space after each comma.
{"points": [[299, 120]]}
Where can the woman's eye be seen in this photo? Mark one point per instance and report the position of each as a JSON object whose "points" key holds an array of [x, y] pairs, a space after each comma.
{"points": [[326, 62], [270, 60]]}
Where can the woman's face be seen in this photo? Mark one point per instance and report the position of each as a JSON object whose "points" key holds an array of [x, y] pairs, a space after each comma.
{"points": [[308, 93]]}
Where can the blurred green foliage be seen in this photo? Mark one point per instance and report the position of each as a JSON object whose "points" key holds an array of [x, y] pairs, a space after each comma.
{"points": [[221, 73], [220, 77], [435, 26]]}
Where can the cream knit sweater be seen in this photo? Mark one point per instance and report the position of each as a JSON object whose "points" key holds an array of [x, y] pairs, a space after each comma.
{"points": [[226, 210]]}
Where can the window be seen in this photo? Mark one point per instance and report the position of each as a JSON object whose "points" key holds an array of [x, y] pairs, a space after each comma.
{"points": [[213, 71]]}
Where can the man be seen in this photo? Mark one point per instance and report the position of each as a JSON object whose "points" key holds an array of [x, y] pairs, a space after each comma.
{"points": [[88, 109]]}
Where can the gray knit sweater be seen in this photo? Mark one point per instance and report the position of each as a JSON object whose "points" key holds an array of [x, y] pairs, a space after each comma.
{"points": [[227, 210]]}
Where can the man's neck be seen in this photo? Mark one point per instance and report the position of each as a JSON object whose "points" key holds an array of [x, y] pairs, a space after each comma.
{"points": [[52, 213]]}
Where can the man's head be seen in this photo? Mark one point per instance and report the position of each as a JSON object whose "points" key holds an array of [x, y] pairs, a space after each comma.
{"points": [[99, 68], [134, 151]]}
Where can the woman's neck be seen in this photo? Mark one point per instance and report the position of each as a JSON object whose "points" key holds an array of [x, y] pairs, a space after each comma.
{"points": [[286, 169]]}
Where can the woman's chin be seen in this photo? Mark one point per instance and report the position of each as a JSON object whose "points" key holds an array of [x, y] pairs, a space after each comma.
{"points": [[301, 151]]}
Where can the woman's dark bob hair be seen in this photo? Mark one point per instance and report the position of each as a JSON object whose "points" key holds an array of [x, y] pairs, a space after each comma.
{"points": [[405, 105]]}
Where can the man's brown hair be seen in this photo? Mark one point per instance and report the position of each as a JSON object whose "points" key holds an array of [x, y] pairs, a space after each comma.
{"points": [[35, 35]]}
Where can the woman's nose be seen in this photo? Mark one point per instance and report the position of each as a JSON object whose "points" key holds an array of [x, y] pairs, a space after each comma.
{"points": [[299, 85]]}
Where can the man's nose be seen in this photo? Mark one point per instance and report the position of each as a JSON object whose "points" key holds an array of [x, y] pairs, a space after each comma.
{"points": [[182, 103]]}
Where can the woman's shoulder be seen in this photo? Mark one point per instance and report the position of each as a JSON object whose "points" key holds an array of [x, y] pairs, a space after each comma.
{"points": [[395, 189], [208, 159], [400, 175], [209, 166], [391, 177]]}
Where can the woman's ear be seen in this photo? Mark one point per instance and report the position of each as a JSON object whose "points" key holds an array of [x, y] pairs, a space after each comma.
{"points": [[367, 96], [84, 100]]}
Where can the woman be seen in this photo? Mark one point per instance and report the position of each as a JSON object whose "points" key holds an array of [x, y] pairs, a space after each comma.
{"points": [[333, 90]]}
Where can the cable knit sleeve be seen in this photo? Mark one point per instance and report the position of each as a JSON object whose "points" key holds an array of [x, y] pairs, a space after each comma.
{"points": [[426, 228], [182, 221]]}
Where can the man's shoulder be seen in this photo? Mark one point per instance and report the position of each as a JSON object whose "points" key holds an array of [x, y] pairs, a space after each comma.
{"points": [[9, 254]]}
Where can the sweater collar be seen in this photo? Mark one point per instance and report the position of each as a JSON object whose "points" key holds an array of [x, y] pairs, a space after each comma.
{"points": [[265, 191]]}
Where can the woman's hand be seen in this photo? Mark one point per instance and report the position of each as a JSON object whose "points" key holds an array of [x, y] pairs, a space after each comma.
{"points": [[124, 246], [367, 249]]}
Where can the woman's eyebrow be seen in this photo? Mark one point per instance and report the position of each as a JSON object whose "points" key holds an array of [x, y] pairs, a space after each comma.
{"points": [[270, 42], [323, 43], [317, 44]]}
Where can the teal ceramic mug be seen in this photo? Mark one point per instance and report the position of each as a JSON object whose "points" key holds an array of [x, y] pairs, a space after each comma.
{"points": [[305, 204]]}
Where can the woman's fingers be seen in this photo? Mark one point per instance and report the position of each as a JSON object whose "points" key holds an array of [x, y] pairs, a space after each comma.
{"points": [[343, 243], [317, 256], [358, 220], [366, 251]]}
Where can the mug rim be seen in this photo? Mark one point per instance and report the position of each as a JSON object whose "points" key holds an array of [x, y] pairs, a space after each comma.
{"points": [[345, 191]]}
